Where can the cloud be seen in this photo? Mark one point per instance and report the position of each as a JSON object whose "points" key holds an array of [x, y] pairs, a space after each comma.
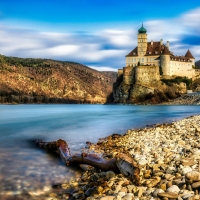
{"points": [[102, 49]]}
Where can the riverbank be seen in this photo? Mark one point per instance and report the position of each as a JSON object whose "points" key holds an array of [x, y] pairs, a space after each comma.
{"points": [[186, 99], [165, 153], [168, 156]]}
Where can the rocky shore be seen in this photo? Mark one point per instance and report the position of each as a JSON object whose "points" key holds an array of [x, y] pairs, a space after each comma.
{"points": [[168, 156], [186, 99]]}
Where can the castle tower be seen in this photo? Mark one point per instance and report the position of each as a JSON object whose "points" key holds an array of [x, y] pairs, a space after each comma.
{"points": [[189, 55], [142, 41], [165, 61]]}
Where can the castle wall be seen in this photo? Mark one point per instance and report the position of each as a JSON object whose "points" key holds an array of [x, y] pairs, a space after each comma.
{"points": [[147, 75], [120, 72], [128, 75], [147, 60], [181, 69]]}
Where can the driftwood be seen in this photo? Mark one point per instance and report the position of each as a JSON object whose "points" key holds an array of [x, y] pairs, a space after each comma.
{"points": [[122, 162]]}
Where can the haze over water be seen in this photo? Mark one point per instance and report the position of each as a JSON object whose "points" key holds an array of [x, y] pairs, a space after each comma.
{"points": [[23, 167]]}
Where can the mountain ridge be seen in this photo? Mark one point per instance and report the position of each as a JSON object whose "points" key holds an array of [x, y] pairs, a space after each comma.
{"points": [[29, 80]]}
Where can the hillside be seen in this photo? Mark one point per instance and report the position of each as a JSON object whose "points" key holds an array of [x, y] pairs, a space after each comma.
{"points": [[197, 64], [49, 81]]}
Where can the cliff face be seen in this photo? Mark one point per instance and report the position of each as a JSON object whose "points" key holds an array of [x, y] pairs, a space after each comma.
{"points": [[49, 81], [143, 84]]}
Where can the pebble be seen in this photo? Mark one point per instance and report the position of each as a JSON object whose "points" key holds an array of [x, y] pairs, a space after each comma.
{"points": [[196, 185], [193, 176], [156, 191], [170, 195], [173, 188], [107, 198]]}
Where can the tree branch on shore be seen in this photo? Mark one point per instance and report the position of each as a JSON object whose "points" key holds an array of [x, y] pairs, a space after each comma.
{"points": [[121, 162]]}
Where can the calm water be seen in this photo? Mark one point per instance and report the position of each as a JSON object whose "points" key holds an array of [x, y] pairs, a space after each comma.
{"points": [[23, 167]]}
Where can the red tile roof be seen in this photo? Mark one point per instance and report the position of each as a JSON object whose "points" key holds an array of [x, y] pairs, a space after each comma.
{"points": [[188, 54], [166, 51], [155, 49], [180, 58]]}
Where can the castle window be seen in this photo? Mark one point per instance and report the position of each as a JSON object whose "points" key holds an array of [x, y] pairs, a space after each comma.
{"points": [[147, 59], [133, 53], [142, 59], [156, 52], [149, 52]]}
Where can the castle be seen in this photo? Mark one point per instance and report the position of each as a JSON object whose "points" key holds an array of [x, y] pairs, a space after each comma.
{"points": [[157, 54]]}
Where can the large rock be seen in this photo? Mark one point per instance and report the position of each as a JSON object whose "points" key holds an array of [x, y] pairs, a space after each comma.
{"points": [[193, 176]]}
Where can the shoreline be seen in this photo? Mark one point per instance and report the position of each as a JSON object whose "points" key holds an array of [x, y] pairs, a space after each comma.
{"points": [[168, 155], [165, 153]]}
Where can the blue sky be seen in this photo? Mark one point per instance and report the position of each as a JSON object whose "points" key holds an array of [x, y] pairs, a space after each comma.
{"points": [[97, 33]]}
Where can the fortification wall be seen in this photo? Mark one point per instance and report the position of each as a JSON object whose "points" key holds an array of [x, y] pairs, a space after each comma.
{"points": [[120, 72], [147, 75], [128, 75]]}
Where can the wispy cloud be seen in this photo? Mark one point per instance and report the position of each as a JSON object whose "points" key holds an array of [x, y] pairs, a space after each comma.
{"points": [[103, 49]]}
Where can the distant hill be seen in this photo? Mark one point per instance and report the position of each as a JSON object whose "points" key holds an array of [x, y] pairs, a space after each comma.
{"points": [[49, 81], [197, 64]]}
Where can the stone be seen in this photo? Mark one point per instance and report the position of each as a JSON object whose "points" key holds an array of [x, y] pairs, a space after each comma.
{"points": [[117, 197], [121, 194], [140, 191], [166, 149], [187, 196], [131, 188], [154, 182], [107, 198], [127, 197], [156, 191], [196, 185], [170, 195], [169, 177], [185, 170], [110, 183], [123, 189], [193, 176], [147, 174], [169, 184], [90, 191], [163, 186], [142, 162], [99, 189], [110, 174], [117, 188], [188, 162], [197, 152], [173, 188]]}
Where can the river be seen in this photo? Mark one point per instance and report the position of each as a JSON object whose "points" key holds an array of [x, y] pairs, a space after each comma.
{"points": [[24, 167]]}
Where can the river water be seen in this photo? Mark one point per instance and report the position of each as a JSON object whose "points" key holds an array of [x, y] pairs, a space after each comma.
{"points": [[24, 167]]}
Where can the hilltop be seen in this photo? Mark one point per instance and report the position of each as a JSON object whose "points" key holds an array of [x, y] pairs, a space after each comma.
{"points": [[49, 81]]}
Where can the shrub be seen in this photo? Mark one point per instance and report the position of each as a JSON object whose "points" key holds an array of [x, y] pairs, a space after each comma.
{"points": [[178, 80]]}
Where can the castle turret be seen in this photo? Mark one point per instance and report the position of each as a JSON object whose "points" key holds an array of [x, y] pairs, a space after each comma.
{"points": [[190, 56], [142, 41], [165, 61]]}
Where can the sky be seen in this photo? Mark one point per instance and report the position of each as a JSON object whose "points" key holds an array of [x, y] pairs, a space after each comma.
{"points": [[96, 33]]}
